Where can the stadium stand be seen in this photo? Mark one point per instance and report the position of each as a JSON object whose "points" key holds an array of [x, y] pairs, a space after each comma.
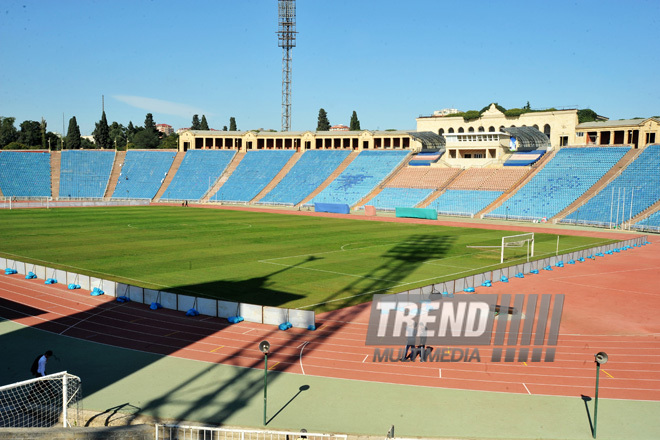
{"points": [[390, 198], [412, 177], [635, 189], [25, 173], [524, 158], [313, 168], [463, 202], [425, 159], [252, 174], [492, 179], [650, 223], [197, 174], [567, 176], [363, 174], [142, 173], [85, 173]]}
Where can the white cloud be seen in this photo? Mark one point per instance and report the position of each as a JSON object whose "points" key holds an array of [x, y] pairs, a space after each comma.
{"points": [[159, 106]]}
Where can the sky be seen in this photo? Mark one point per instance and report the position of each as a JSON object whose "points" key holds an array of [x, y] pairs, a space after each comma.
{"points": [[389, 60]]}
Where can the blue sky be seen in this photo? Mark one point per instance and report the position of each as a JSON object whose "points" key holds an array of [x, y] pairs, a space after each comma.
{"points": [[390, 61]]}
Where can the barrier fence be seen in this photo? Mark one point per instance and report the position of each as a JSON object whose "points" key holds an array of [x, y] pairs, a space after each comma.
{"points": [[173, 301], [181, 432], [276, 315]]}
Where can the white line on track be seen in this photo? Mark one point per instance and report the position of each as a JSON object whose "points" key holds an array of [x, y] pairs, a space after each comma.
{"points": [[365, 358], [527, 389], [301, 352], [90, 316]]}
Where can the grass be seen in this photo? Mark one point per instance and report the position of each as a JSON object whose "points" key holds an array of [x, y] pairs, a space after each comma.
{"points": [[261, 258]]}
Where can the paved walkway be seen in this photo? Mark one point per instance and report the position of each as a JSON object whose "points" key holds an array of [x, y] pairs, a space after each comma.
{"points": [[179, 389]]}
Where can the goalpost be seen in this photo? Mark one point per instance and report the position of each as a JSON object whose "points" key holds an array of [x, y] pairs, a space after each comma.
{"points": [[43, 402], [518, 241]]}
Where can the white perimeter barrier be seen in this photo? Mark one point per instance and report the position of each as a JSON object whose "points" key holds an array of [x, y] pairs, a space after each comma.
{"points": [[275, 315]]}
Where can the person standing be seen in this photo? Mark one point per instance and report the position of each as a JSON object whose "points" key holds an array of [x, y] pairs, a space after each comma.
{"points": [[39, 365]]}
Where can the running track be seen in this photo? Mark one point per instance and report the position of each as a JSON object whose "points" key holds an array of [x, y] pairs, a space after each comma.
{"points": [[611, 305]]}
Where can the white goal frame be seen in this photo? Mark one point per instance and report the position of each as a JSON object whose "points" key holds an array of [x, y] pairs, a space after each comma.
{"points": [[518, 240], [42, 402]]}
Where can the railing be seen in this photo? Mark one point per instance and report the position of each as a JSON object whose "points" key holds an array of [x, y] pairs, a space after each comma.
{"points": [[181, 432]]}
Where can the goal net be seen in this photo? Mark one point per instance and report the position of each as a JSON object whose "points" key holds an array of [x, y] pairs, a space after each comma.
{"points": [[517, 246], [40, 403]]}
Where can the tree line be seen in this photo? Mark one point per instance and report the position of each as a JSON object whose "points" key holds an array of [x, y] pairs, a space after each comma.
{"points": [[323, 123], [34, 135]]}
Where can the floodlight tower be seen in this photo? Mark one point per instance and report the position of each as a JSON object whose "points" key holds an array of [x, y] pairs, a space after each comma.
{"points": [[286, 40]]}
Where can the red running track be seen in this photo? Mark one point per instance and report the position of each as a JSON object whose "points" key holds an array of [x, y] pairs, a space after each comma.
{"points": [[611, 305]]}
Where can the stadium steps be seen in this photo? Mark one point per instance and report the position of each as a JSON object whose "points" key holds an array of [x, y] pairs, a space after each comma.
{"points": [[55, 164], [176, 163], [648, 211], [1, 195], [114, 175], [440, 191], [278, 177], [536, 167], [238, 157], [374, 192], [340, 169], [597, 187]]}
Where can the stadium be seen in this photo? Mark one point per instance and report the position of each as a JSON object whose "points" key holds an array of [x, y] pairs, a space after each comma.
{"points": [[489, 274]]}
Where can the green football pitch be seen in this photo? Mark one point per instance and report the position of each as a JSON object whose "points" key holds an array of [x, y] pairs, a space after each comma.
{"points": [[260, 258]]}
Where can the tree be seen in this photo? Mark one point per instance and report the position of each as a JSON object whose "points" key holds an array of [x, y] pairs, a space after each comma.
{"points": [[586, 115], [323, 122], [102, 133], [204, 125], [232, 124], [170, 142], [43, 133], [149, 123], [355, 122], [118, 135], [527, 106], [224, 128], [8, 132], [146, 139], [30, 134], [196, 125], [73, 141]]}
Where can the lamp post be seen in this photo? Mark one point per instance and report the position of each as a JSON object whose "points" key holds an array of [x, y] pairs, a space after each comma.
{"points": [[264, 346], [601, 358]]}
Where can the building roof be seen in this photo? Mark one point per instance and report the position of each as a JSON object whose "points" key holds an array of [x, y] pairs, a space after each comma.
{"points": [[619, 123], [529, 138]]}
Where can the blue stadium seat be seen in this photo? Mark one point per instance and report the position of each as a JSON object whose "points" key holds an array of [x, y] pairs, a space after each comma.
{"points": [[255, 171], [391, 198], [197, 173], [631, 192], [463, 202], [311, 170], [143, 173], [362, 175], [25, 173], [565, 178], [85, 173]]}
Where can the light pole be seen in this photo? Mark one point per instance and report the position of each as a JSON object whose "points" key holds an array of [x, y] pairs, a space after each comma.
{"points": [[601, 358], [264, 346]]}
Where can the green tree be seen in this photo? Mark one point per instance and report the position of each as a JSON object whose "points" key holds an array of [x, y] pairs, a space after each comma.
{"points": [[8, 132], [102, 133], [355, 122], [146, 139], [204, 125], [196, 125], [52, 141], [323, 122], [30, 134], [232, 124], [118, 135], [170, 142], [43, 126], [527, 106], [586, 115], [224, 128], [73, 140], [86, 144]]}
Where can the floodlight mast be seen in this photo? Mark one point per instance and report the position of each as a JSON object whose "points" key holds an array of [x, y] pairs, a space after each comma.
{"points": [[286, 40]]}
